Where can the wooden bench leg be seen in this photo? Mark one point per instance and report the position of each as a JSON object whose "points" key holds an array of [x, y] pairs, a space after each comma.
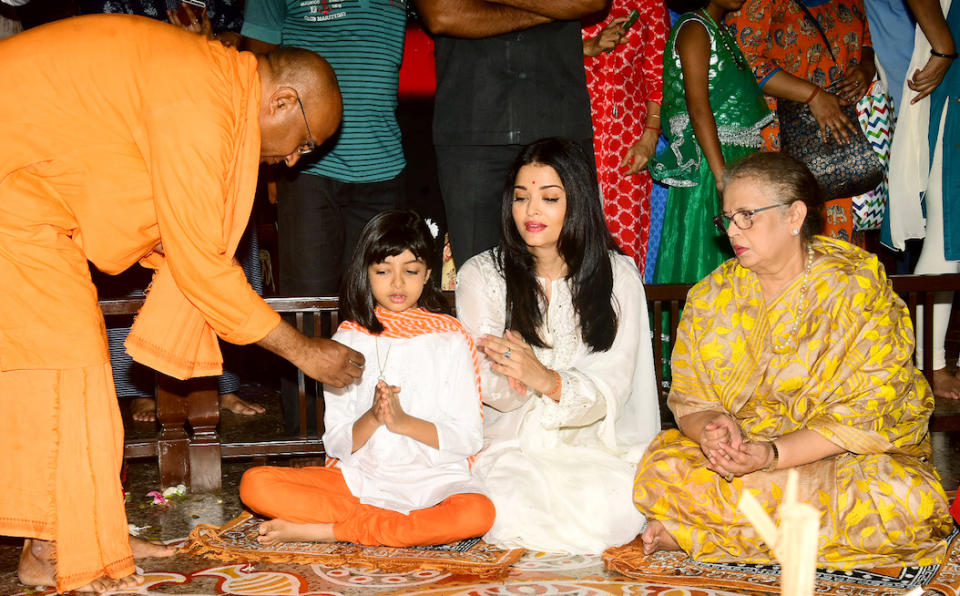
{"points": [[173, 445], [204, 416]]}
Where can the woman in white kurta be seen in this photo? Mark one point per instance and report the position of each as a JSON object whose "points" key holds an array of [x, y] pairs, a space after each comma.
{"points": [[567, 420]]}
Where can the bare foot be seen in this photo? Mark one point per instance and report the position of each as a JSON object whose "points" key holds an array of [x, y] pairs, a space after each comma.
{"points": [[143, 409], [232, 402], [945, 384], [146, 549], [38, 563], [656, 537], [108, 584], [38, 568], [281, 530]]}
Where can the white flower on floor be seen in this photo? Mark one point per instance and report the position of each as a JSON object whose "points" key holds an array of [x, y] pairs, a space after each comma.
{"points": [[179, 490]]}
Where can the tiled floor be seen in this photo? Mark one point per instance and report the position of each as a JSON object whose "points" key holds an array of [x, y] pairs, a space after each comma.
{"points": [[176, 520]]}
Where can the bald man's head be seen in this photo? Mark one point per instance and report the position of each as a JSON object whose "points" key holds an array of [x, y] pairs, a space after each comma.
{"points": [[300, 103]]}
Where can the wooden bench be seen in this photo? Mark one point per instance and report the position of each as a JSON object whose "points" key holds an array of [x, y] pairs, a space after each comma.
{"points": [[194, 459]]}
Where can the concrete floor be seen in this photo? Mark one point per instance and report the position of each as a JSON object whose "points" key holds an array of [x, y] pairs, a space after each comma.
{"points": [[175, 521]]}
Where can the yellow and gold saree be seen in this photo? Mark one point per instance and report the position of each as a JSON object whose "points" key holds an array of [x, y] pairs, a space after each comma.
{"points": [[845, 371]]}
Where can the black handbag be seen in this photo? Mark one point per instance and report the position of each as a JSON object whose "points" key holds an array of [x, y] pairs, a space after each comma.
{"points": [[842, 170]]}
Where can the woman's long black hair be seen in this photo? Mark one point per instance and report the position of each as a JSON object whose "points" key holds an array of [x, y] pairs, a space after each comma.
{"points": [[584, 245], [386, 235]]}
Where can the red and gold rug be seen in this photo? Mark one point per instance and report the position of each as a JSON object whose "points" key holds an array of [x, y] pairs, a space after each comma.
{"points": [[237, 541]]}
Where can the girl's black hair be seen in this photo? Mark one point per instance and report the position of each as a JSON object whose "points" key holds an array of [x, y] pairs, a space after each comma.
{"points": [[386, 235], [584, 245]]}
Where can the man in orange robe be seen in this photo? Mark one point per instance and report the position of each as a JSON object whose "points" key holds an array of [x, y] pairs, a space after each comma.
{"points": [[126, 140]]}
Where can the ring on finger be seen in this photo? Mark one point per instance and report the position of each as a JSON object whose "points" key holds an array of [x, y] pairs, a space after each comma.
{"points": [[508, 353]]}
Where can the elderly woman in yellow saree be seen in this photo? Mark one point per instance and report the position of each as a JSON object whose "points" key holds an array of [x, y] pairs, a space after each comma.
{"points": [[795, 354]]}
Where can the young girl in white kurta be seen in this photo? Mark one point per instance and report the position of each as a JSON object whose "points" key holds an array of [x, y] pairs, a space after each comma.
{"points": [[401, 436], [568, 376]]}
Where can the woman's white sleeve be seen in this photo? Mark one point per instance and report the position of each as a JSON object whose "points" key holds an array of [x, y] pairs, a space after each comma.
{"points": [[481, 307]]}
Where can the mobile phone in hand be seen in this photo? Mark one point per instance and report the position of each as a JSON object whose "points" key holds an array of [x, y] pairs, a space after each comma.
{"points": [[631, 20], [197, 6]]}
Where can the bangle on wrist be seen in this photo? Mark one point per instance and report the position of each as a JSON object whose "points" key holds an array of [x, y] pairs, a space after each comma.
{"points": [[554, 393], [816, 90], [776, 458], [653, 128], [952, 56], [657, 116]]}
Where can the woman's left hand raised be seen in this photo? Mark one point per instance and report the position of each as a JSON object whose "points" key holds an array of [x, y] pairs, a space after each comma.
{"points": [[192, 19], [752, 456], [856, 82], [514, 358]]}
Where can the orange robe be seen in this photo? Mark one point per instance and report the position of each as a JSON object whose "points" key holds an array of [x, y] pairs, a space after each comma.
{"points": [[119, 133]]}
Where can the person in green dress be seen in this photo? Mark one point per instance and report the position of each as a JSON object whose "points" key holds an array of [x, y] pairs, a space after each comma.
{"points": [[713, 112]]}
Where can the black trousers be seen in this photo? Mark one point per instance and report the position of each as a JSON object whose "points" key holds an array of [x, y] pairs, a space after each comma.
{"points": [[319, 220], [472, 181]]}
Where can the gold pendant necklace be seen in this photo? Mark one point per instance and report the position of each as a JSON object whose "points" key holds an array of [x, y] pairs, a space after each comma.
{"points": [[381, 365]]}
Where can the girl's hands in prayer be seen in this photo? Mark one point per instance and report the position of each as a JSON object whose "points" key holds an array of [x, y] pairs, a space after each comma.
{"points": [[750, 457], [386, 407], [514, 358]]}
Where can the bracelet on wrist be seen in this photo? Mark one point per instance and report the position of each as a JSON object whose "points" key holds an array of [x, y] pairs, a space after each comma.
{"points": [[776, 458], [554, 393], [652, 128], [952, 56], [816, 90], [657, 116]]}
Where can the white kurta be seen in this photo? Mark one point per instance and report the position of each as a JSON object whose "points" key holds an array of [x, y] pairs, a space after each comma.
{"points": [[561, 474], [437, 383]]}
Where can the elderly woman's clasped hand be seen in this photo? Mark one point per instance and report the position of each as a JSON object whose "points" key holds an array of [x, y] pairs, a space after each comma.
{"points": [[514, 358], [727, 452]]}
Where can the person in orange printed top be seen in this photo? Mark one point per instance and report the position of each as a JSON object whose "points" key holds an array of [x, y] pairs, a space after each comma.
{"points": [[127, 140], [403, 441]]}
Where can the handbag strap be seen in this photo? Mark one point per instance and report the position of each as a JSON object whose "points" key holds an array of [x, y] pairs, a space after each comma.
{"points": [[816, 24]]}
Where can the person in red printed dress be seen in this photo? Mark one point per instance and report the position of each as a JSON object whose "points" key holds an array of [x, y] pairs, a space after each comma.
{"points": [[625, 80]]}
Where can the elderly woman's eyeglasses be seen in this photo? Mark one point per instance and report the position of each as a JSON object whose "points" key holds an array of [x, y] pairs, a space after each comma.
{"points": [[310, 145], [743, 218]]}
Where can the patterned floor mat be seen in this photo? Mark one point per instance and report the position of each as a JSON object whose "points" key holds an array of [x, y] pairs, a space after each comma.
{"points": [[676, 568]]}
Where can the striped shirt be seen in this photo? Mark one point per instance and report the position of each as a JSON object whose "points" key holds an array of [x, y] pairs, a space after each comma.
{"points": [[363, 41]]}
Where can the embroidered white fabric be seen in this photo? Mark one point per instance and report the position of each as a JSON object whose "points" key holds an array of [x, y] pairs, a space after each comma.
{"points": [[437, 383], [561, 474]]}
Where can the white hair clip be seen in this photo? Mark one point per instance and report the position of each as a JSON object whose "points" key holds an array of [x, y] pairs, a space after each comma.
{"points": [[433, 227]]}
